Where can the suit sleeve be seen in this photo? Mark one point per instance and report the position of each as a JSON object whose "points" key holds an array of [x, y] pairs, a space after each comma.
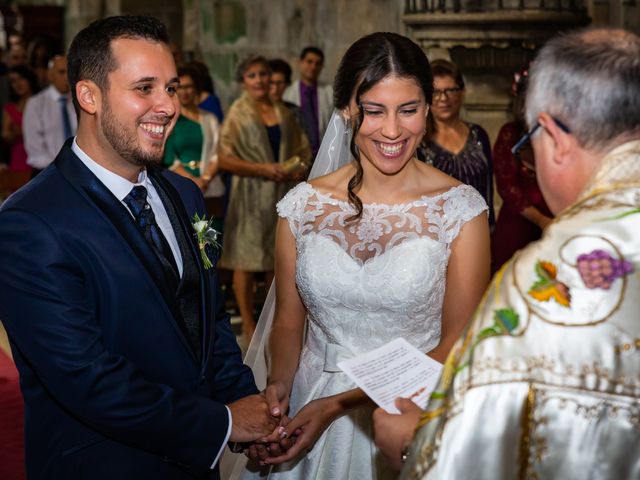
{"points": [[232, 378], [47, 307]]}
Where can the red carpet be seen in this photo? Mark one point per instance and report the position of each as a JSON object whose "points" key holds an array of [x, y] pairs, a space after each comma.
{"points": [[11, 422]]}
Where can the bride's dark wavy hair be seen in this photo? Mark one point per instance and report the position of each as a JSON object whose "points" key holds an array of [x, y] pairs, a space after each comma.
{"points": [[368, 61]]}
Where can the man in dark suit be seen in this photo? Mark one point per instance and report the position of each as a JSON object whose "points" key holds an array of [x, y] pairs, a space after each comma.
{"points": [[128, 366]]}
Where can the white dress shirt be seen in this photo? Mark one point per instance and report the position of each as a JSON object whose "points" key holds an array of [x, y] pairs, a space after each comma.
{"points": [[43, 128], [121, 187]]}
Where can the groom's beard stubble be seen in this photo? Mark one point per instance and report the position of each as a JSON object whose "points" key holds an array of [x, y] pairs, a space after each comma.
{"points": [[125, 142]]}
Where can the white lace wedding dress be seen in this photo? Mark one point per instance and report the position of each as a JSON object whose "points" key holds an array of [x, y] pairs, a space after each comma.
{"points": [[364, 284]]}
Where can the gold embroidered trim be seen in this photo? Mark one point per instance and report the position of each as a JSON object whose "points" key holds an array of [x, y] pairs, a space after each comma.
{"points": [[527, 425], [630, 386], [625, 347], [610, 407], [429, 415]]}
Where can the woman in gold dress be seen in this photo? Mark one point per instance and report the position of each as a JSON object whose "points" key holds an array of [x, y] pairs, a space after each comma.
{"points": [[257, 138]]}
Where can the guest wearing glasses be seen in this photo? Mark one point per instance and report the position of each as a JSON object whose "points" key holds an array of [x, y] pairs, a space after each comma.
{"points": [[458, 148], [191, 150]]}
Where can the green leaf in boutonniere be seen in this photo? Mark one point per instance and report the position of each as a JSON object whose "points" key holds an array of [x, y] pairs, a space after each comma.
{"points": [[207, 237]]}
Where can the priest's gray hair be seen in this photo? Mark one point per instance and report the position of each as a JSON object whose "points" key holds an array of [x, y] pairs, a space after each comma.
{"points": [[590, 81]]}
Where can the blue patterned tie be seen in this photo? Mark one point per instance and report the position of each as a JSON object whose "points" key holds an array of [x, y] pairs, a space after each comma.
{"points": [[136, 200], [66, 123]]}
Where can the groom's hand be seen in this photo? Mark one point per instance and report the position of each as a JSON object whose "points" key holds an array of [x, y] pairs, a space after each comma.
{"points": [[251, 419]]}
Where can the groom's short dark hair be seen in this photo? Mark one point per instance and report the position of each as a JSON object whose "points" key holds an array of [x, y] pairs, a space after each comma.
{"points": [[90, 56]]}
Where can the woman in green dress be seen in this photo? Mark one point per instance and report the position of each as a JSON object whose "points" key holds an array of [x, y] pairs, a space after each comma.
{"points": [[191, 150]]}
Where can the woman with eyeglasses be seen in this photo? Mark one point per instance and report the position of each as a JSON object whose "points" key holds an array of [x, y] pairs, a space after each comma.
{"points": [[458, 148], [524, 213]]}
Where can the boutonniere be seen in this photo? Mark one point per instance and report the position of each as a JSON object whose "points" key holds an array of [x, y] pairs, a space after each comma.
{"points": [[207, 237]]}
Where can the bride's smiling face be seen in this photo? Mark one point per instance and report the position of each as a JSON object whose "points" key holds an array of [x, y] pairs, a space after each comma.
{"points": [[394, 121]]}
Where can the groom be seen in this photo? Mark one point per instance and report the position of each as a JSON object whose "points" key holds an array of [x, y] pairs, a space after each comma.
{"points": [[128, 366]]}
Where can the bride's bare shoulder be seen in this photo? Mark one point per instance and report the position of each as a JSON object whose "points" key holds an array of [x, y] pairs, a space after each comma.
{"points": [[334, 183]]}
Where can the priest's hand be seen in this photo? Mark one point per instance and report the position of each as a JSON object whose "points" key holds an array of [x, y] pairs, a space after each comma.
{"points": [[394, 433]]}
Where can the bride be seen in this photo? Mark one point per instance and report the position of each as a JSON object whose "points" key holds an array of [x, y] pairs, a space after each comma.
{"points": [[383, 247]]}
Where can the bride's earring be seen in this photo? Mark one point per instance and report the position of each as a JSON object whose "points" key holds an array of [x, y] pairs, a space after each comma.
{"points": [[347, 123]]}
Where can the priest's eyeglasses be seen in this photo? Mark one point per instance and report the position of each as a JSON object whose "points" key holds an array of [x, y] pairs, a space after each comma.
{"points": [[527, 136]]}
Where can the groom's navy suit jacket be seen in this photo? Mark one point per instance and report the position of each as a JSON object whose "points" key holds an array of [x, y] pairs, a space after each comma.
{"points": [[114, 387]]}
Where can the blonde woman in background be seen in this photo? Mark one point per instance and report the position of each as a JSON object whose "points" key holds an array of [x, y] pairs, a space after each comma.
{"points": [[257, 137]]}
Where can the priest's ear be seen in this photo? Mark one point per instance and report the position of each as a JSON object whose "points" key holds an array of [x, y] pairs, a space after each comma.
{"points": [[88, 95], [563, 142]]}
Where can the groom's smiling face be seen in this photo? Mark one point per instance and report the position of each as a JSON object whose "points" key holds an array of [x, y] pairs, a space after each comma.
{"points": [[139, 106]]}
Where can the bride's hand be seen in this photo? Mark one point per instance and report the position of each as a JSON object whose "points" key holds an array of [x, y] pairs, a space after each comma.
{"points": [[308, 425], [272, 445], [277, 396]]}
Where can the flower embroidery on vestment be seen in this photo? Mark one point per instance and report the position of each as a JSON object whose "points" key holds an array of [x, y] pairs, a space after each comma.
{"points": [[506, 320], [546, 287]]}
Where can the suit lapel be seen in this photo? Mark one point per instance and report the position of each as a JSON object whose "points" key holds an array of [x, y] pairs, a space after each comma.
{"points": [[96, 193]]}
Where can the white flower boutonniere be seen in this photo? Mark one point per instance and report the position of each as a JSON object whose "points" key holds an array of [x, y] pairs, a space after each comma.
{"points": [[207, 239]]}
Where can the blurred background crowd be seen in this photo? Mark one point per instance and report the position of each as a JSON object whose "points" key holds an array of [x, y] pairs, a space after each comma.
{"points": [[256, 97]]}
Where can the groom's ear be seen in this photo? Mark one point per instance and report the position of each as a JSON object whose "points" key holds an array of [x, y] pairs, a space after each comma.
{"points": [[88, 95]]}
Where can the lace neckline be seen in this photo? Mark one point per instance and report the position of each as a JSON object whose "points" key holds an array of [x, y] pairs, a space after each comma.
{"points": [[328, 197]]}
